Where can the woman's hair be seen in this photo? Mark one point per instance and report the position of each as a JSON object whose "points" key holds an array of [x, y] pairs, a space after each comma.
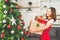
{"points": [[53, 13]]}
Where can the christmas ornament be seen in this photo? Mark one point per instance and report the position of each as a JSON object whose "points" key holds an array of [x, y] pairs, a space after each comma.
{"points": [[4, 21], [11, 5], [19, 27], [9, 26], [26, 33], [2, 35], [4, 6], [13, 21], [6, 0], [22, 32], [11, 10], [12, 32], [5, 11], [22, 38]]}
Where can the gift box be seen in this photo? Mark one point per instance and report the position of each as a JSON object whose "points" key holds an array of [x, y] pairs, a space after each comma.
{"points": [[35, 24]]}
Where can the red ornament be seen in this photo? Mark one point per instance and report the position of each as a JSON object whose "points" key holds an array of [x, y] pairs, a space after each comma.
{"points": [[27, 33], [2, 35], [6, 0], [19, 27], [9, 26], [22, 38]]}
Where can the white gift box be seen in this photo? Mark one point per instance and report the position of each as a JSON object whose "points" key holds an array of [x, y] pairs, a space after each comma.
{"points": [[35, 25]]}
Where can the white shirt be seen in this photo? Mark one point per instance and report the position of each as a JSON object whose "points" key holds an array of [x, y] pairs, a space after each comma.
{"points": [[51, 21]]}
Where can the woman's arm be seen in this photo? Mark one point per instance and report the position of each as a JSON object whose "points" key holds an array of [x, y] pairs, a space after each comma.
{"points": [[42, 28]]}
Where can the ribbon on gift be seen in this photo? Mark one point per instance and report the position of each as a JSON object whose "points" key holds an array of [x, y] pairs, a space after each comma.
{"points": [[41, 21]]}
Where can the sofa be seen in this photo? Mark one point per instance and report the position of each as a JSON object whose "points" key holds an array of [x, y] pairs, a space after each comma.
{"points": [[54, 34]]}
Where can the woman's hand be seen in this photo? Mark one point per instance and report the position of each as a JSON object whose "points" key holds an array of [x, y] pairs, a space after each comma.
{"points": [[31, 31]]}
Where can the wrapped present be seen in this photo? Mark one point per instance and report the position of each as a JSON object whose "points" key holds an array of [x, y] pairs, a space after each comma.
{"points": [[35, 24]]}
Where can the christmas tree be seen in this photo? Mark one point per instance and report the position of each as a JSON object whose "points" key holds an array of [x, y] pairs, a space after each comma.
{"points": [[11, 23]]}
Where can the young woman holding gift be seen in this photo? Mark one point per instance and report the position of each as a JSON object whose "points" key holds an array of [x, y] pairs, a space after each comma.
{"points": [[51, 18]]}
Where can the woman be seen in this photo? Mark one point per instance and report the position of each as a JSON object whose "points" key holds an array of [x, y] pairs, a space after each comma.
{"points": [[51, 18]]}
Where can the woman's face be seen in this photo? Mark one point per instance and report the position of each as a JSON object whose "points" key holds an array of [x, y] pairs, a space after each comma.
{"points": [[48, 12]]}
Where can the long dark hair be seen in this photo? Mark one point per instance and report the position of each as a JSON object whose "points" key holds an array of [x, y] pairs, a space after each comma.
{"points": [[53, 13]]}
